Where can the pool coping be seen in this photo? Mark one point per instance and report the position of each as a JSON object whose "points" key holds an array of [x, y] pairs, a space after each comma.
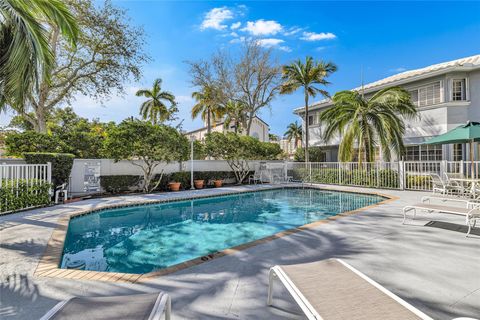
{"points": [[51, 258]]}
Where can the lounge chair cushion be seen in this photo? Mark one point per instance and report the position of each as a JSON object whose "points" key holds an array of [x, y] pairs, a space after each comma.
{"points": [[336, 292]]}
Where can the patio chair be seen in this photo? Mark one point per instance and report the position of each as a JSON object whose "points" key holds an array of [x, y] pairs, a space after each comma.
{"points": [[438, 185], [454, 184], [149, 306], [471, 211], [333, 289], [256, 177]]}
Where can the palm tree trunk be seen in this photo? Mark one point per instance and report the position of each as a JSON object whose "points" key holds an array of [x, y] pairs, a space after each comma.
{"points": [[306, 126], [209, 125]]}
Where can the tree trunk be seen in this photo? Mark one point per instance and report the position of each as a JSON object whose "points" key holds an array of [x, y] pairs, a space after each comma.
{"points": [[306, 126], [209, 125], [249, 124]]}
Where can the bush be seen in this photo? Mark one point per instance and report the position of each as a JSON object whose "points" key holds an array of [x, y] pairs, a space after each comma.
{"points": [[20, 194], [315, 154], [117, 184], [125, 183], [418, 182], [61, 164], [386, 178], [29, 141]]}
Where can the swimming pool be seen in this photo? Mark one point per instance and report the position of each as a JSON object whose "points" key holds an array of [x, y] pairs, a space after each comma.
{"points": [[145, 238]]}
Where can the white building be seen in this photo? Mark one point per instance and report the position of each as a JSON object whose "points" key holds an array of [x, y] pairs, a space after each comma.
{"points": [[446, 94], [259, 130], [287, 146]]}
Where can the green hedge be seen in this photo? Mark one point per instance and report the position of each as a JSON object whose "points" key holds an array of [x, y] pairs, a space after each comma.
{"points": [[20, 194], [125, 183], [61, 164], [384, 178]]}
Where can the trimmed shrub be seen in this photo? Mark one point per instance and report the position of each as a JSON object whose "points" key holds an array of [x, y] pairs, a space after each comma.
{"points": [[126, 183], [21, 194], [117, 184], [385, 178], [61, 164]]}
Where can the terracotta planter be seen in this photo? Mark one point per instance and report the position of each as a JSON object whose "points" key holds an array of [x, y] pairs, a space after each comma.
{"points": [[199, 184], [218, 183], [174, 186]]}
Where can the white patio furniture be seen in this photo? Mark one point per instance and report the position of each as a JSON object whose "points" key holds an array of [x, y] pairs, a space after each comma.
{"points": [[439, 185], [472, 182], [147, 306], [333, 289], [255, 178], [61, 190], [471, 211]]}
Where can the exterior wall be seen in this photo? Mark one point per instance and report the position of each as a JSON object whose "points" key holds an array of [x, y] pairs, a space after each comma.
{"points": [[433, 120], [259, 130]]}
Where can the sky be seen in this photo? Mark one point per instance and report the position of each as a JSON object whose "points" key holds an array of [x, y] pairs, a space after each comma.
{"points": [[380, 38]]}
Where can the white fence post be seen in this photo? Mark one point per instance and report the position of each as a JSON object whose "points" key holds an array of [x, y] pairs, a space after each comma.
{"points": [[401, 175]]}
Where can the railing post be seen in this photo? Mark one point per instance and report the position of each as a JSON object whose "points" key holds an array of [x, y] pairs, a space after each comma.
{"points": [[401, 175], [310, 172], [285, 170]]}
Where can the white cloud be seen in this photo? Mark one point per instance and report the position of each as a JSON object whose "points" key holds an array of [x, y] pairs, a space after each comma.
{"points": [[292, 31], [273, 42], [235, 25], [214, 18], [234, 34], [312, 36], [263, 27], [238, 40]]}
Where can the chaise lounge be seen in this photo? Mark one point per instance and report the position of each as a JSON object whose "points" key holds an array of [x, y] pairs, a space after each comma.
{"points": [[333, 289], [471, 211], [147, 306]]}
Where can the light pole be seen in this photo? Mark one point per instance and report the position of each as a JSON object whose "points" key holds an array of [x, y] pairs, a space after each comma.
{"points": [[192, 139]]}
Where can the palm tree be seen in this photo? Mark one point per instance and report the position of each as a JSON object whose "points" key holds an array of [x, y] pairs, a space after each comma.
{"points": [[207, 106], [366, 123], [154, 109], [25, 54], [235, 112], [309, 76], [294, 132]]}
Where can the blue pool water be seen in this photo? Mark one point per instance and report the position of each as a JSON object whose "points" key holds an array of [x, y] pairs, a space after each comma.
{"points": [[146, 238]]}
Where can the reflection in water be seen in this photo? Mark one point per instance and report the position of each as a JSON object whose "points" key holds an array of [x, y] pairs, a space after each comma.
{"points": [[146, 238]]}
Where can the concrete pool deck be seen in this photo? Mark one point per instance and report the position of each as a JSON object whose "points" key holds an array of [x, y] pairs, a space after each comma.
{"points": [[435, 267]]}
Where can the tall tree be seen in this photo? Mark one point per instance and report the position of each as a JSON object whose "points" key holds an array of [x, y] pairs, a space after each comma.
{"points": [[26, 56], [309, 76], [235, 113], [154, 109], [294, 132], [251, 78], [207, 106], [369, 122], [109, 51]]}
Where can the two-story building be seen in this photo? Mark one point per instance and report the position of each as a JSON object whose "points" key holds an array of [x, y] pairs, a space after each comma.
{"points": [[446, 95], [259, 130]]}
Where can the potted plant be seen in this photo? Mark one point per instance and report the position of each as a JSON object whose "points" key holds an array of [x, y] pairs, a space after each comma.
{"points": [[217, 182], [199, 184], [174, 186]]}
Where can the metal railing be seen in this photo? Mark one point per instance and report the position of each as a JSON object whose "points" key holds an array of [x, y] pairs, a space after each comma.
{"points": [[19, 178], [403, 175]]}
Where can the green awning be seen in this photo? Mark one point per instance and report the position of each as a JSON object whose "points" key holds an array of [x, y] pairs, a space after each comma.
{"points": [[462, 134]]}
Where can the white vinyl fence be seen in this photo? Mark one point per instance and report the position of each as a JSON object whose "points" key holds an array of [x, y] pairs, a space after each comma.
{"points": [[14, 177], [403, 175]]}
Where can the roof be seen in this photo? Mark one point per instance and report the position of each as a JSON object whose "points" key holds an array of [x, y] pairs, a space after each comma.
{"points": [[219, 123], [463, 64]]}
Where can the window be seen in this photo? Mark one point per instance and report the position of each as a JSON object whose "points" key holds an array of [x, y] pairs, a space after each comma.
{"points": [[412, 153], [429, 95], [414, 97], [310, 120], [457, 152], [431, 153], [459, 90], [423, 153]]}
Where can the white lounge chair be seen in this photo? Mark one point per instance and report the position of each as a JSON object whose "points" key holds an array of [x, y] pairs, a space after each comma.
{"points": [[333, 289], [147, 306], [471, 211], [439, 185]]}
